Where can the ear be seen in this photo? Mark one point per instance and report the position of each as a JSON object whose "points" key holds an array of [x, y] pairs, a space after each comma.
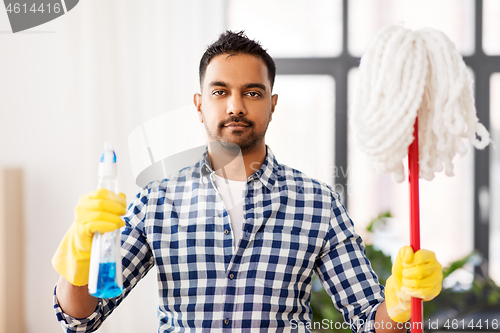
{"points": [[197, 103], [274, 101]]}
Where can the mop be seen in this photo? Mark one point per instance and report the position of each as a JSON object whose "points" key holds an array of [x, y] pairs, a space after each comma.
{"points": [[402, 73]]}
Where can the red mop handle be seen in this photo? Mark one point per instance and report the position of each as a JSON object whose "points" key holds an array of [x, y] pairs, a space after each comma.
{"points": [[416, 303]]}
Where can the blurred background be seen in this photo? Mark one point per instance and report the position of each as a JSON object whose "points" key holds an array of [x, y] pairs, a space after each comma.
{"points": [[106, 67]]}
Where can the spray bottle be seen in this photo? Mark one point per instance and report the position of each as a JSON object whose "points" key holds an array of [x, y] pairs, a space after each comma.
{"points": [[105, 276]]}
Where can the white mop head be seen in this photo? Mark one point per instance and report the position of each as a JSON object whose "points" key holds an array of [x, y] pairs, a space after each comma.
{"points": [[405, 71]]}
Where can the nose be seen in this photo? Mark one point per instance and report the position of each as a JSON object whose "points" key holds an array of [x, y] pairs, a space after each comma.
{"points": [[236, 106]]}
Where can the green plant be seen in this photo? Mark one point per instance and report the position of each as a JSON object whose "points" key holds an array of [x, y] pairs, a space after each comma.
{"points": [[483, 295]]}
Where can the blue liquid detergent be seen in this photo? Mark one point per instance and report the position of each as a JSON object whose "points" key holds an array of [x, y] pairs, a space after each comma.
{"points": [[106, 284]]}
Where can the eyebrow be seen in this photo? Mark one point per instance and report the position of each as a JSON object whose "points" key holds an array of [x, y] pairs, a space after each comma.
{"points": [[255, 85], [246, 86], [217, 84]]}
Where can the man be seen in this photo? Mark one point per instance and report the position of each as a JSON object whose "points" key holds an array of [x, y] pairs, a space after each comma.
{"points": [[237, 236]]}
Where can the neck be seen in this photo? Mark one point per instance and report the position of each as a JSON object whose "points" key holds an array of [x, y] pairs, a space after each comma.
{"points": [[235, 164]]}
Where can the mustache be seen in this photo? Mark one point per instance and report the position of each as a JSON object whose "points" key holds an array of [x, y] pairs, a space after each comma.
{"points": [[235, 119]]}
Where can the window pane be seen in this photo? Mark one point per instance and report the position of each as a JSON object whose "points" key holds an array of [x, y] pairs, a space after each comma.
{"points": [[495, 178], [491, 26], [453, 17], [290, 28], [446, 203], [302, 131]]}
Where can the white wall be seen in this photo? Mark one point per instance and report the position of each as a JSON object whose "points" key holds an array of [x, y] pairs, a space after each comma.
{"points": [[67, 86]]}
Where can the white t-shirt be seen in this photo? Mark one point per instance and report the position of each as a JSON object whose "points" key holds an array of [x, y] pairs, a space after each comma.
{"points": [[232, 192]]}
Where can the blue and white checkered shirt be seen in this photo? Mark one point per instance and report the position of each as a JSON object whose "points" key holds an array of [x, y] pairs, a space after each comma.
{"points": [[293, 226]]}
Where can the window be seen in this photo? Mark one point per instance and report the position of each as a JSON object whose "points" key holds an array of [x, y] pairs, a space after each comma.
{"points": [[290, 28], [307, 38], [301, 133], [453, 17], [446, 203], [491, 26], [495, 178]]}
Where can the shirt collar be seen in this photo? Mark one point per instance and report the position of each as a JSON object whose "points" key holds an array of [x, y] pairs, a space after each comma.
{"points": [[267, 173]]}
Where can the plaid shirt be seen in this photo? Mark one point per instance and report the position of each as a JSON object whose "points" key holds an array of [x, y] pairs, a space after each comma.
{"points": [[293, 226]]}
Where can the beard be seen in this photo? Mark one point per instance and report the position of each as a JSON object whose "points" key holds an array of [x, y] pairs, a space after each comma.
{"points": [[245, 140]]}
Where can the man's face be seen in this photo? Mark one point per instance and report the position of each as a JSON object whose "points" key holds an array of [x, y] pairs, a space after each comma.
{"points": [[236, 104]]}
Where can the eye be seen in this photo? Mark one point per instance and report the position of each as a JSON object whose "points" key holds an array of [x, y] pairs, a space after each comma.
{"points": [[218, 92], [254, 94]]}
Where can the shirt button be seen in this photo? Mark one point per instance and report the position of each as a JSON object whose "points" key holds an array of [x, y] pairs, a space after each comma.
{"points": [[226, 232], [226, 321], [231, 276]]}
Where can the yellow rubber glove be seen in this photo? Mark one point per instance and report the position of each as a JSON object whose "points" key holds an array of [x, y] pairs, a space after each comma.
{"points": [[97, 211], [413, 275]]}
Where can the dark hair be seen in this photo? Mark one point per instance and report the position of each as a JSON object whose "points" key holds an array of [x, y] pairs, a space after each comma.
{"points": [[232, 43]]}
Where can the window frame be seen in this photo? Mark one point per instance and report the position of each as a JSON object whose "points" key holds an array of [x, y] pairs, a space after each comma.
{"points": [[482, 65]]}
